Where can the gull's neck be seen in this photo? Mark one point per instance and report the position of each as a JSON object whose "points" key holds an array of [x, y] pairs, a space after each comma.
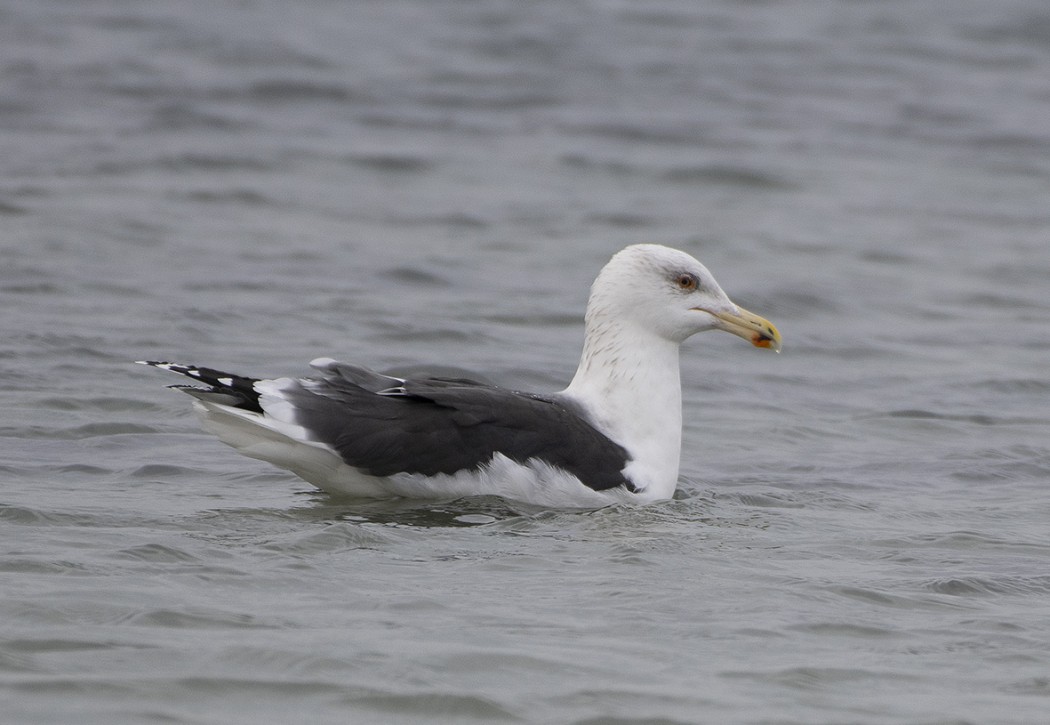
{"points": [[628, 381]]}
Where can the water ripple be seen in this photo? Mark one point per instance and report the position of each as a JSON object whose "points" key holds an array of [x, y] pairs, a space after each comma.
{"points": [[434, 705]]}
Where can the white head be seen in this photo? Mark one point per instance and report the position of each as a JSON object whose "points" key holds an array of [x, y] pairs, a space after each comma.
{"points": [[670, 294]]}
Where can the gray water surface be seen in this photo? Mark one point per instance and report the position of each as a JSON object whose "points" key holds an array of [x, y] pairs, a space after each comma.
{"points": [[861, 530]]}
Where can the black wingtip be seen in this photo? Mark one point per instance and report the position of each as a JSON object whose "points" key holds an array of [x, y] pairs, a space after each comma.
{"points": [[227, 388]]}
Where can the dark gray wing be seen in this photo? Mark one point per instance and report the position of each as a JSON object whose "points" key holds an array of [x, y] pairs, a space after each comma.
{"points": [[338, 373], [443, 425]]}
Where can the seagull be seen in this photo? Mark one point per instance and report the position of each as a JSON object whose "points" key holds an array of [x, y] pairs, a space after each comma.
{"points": [[614, 435]]}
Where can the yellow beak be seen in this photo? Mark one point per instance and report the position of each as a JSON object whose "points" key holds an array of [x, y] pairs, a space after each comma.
{"points": [[760, 331]]}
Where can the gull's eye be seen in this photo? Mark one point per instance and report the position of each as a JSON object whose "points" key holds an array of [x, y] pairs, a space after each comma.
{"points": [[687, 282]]}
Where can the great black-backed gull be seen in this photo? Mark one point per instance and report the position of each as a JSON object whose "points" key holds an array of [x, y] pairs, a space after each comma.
{"points": [[613, 435]]}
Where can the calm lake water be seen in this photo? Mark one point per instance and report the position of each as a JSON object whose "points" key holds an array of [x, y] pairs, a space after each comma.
{"points": [[862, 530]]}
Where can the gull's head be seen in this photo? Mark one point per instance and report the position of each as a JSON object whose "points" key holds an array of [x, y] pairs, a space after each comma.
{"points": [[670, 294]]}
